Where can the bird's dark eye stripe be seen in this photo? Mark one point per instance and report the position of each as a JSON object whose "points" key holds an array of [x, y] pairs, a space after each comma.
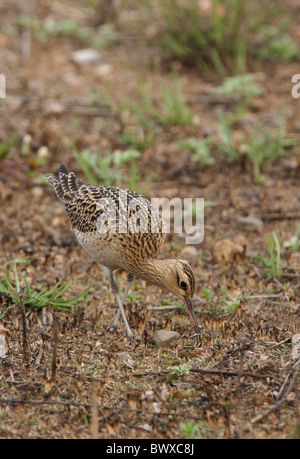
{"points": [[183, 285]]}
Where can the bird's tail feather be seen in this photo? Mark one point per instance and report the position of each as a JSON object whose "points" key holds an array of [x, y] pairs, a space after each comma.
{"points": [[65, 184]]}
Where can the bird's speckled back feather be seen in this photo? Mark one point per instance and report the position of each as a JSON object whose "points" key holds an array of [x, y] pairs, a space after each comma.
{"points": [[93, 209]]}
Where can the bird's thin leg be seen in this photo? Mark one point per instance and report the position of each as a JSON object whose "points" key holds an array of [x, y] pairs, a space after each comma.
{"points": [[114, 325], [115, 291]]}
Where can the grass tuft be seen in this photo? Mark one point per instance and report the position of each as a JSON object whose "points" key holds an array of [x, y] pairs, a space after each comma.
{"points": [[222, 35], [19, 291]]}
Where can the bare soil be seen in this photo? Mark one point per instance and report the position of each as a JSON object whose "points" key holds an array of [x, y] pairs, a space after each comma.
{"points": [[72, 378]]}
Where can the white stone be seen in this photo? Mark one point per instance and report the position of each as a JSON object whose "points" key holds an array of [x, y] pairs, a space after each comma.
{"points": [[2, 347], [86, 56]]}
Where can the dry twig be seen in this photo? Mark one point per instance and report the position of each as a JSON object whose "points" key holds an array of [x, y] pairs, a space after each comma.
{"points": [[282, 394], [94, 428], [230, 373], [54, 351], [24, 329], [208, 372]]}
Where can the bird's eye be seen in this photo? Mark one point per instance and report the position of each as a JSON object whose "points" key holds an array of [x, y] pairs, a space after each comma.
{"points": [[183, 285]]}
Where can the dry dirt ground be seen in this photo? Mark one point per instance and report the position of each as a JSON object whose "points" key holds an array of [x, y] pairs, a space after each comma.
{"points": [[72, 378]]}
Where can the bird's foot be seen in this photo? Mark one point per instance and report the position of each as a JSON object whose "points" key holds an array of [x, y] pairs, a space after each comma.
{"points": [[198, 339], [130, 338], [114, 328]]}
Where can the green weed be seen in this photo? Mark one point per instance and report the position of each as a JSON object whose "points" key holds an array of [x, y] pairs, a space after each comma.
{"points": [[108, 169], [181, 369], [175, 248], [134, 141], [294, 243], [272, 263], [174, 110], [226, 146], [204, 39], [274, 252], [19, 290], [189, 429], [260, 146], [192, 430], [221, 35], [278, 45], [6, 145], [241, 89], [4, 311], [200, 148], [221, 302], [133, 297], [207, 294], [170, 109], [263, 146], [230, 306], [100, 36]]}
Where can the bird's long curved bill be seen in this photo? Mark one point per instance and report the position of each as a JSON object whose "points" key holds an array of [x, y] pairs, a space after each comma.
{"points": [[193, 318]]}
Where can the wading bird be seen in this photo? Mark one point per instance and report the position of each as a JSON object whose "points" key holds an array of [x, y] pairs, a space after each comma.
{"points": [[121, 230]]}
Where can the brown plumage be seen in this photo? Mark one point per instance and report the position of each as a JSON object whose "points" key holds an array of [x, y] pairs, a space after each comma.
{"points": [[120, 229]]}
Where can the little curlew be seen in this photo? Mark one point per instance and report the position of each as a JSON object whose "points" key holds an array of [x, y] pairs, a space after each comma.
{"points": [[121, 230]]}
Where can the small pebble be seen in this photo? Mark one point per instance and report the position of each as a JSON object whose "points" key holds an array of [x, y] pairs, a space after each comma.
{"points": [[124, 356], [249, 223], [104, 70], [2, 347], [296, 347], [86, 56], [163, 337]]}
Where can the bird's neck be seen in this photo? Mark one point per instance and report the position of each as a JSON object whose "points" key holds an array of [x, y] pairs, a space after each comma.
{"points": [[152, 270]]}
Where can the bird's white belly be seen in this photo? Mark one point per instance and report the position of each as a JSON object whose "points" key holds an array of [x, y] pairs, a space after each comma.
{"points": [[99, 249]]}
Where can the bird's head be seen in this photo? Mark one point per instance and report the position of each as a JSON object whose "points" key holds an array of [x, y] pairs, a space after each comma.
{"points": [[180, 280], [174, 275]]}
